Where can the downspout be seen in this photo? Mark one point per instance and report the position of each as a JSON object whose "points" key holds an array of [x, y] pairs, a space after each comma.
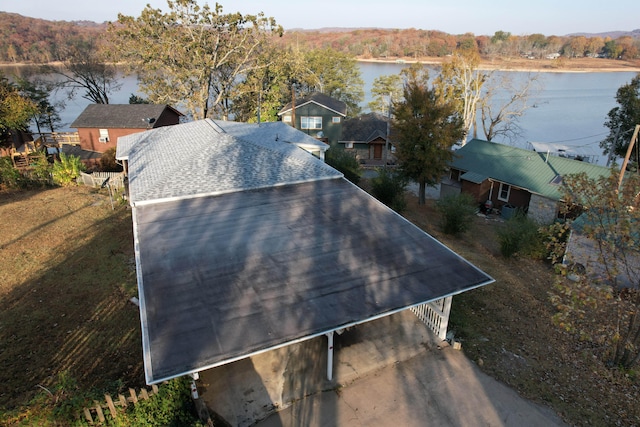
{"points": [[330, 355]]}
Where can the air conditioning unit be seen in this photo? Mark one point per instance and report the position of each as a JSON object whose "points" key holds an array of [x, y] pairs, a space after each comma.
{"points": [[103, 139]]}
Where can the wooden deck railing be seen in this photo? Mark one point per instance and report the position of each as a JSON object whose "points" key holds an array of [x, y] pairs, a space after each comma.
{"points": [[435, 315], [57, 138]]}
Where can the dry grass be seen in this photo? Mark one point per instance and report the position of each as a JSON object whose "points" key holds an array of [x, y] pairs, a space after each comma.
{"points": [[506, 329], [66, 275]]}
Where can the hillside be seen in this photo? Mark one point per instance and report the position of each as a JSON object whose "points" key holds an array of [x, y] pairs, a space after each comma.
{"points": [[30, 40]]}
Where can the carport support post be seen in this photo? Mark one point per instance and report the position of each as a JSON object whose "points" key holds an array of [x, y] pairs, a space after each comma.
{"points": [[330, 355]]}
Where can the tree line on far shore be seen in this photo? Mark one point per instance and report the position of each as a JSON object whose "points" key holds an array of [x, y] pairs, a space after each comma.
{"points": [[31, 40]]}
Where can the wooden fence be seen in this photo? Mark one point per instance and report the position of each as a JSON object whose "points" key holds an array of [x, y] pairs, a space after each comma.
{"points": [[99, 410], [96, 179]]}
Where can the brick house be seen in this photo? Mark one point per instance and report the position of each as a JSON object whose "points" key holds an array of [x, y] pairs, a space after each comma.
{"points": [[100, 125]]}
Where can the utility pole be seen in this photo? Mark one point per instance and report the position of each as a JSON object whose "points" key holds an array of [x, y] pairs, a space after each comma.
{"points": [[386, 142], [293, 105], [634, 138]]}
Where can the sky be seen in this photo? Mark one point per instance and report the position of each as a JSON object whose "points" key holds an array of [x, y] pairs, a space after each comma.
{"points": [[549, 17]]}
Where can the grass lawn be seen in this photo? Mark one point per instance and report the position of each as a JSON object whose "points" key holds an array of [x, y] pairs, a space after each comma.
{"points": [[66, 275]]}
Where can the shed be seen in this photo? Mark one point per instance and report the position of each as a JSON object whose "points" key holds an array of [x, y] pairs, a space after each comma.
{"points": [[246, 245]]}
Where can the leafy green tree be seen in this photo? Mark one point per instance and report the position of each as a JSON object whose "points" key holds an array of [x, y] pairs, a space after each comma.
{"points": [[389, 187], [135, 99], [385, 87], [345, 162], [457, 213], [285, 72], [336, 74], [500, 37], [16, 110], [612, 49], [191, 56], [266, 89], [598, 308], [427, 127], [537, 41], [621, 120], [67, 169], [10, 177]]}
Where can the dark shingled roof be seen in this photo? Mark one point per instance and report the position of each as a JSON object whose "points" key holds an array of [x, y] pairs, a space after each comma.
{"points": [[120, 116], [243, 246], [364, 128], [320, 99], [225, 277]]}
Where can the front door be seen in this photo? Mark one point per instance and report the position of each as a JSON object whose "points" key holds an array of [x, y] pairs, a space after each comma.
{"points": [[377, 152]]}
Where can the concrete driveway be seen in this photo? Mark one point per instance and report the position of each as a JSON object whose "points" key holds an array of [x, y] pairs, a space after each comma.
{"points": [[389, 372]]}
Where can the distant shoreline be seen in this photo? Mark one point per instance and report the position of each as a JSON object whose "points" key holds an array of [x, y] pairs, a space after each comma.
{"points": [[561, 65]]}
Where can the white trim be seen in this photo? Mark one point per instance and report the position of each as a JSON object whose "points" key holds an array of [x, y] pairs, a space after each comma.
{"points": [[104, 135], [311, 120], [312, 102], [502, 184], [315, 335], [147, 357]]}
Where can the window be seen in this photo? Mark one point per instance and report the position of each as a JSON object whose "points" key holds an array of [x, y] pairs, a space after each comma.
{"points": [[104, 135], [505, 190], [348, 145], [286, 119], [307, 122], [335, 120]]}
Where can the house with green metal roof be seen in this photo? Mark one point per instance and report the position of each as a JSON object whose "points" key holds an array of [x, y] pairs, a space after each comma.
{"points": [[510, 178]]}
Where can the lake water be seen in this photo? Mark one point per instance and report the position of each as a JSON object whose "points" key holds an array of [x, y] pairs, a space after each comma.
{"points": [[570, 109]]}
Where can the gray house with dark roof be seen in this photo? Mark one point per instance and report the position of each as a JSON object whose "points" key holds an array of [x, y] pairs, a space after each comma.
{"points": [[100, 125], [366, 136], [244, 245], [317, 115]]}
